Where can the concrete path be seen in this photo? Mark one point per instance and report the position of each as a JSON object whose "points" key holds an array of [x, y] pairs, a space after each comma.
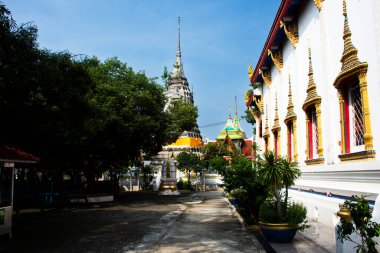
{"points": [[204, 224], [318, 238]]}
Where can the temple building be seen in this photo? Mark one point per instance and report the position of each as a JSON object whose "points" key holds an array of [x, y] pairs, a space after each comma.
{"points": [[234, 135], [178, 88], [314, 93]]}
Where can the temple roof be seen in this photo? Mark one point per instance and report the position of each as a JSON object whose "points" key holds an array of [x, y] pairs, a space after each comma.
{"points": [[10, 153], [233, 129]]}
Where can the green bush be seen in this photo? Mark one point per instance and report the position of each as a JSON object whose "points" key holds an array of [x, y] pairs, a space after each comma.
{"points": [[360, 223], [242, 182], [184, 185], [294, 214]]}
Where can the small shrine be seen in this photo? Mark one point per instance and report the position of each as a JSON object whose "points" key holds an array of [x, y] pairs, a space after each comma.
{"points": [[168, 181]]}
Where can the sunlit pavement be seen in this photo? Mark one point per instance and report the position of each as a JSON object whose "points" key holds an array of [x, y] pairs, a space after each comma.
{"points": [[205, 224]]}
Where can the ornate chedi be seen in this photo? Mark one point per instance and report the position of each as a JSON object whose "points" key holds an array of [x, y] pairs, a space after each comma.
{"points": [[178, 88]]}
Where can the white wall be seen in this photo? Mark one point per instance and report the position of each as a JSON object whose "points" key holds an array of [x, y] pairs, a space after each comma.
{"points": [[322, 31]]}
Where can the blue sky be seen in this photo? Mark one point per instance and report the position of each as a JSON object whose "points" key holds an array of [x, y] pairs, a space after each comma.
{"points": [[219, 39]]}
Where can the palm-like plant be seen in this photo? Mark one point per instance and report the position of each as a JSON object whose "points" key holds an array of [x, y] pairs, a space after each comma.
{"points": [[290, 173], [278, 172], [271, 171]]}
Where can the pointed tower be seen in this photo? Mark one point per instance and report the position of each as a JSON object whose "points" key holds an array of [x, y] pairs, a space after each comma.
{"points": [[232, 129], [236, 120], [178, 87]]}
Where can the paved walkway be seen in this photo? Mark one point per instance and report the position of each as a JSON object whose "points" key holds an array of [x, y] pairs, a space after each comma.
{"points": [[205, 224], [318, 238]]}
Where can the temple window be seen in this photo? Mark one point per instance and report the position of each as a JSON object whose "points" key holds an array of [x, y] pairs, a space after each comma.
{"points": [[290, 140], [312, 134], [276, 144], [266, 145], [355, 119], [291, 127], [312, 109]]}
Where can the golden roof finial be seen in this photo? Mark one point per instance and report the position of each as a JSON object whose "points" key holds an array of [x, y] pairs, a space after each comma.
{"points": [[344, 8], [312, 95], [290, 114], [350, 61], [276, 124], [266, 133]]}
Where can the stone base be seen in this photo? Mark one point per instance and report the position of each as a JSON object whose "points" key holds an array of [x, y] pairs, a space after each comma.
{"points": [[168, 192], [168, 184], [168, 187]]}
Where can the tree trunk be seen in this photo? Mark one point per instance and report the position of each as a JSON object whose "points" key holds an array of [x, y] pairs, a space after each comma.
{"points": [[278, 199], [286, 198]]}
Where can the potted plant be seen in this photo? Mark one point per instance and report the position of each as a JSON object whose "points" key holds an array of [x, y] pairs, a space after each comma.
{"points": [[356, 223], [279, 219]]}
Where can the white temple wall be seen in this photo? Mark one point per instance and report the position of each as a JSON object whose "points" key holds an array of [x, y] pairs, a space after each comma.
{"points": [[323, 33]]}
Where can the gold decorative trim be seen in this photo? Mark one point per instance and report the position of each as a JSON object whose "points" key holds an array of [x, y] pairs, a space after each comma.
{"points": [[315, 161], [276, 226], [342, 127], [276, 58], [295, 150], [312, 96], [353, 67], [266, 77], [313, 100], [290, 115], [318, 3], [250, 72], [367, 117], [319, 124], [266, 133], [276, 129], [368, 154], [276, 125], [291, 32], [307, 151]]}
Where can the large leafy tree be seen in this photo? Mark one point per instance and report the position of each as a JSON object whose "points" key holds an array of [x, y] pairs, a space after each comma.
{"points": [[182, 116], [130, 112], [76, 113], [42, 94], [188, 162]]}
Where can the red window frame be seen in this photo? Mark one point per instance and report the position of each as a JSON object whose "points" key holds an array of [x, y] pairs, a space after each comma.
{"points": [[290, 141]]}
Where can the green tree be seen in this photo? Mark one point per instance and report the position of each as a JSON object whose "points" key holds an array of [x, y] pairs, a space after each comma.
{"points": [[270, 168], [250, 119], [189, 162], [244, 184], [130, 109], [289, 174], [182, 116]]}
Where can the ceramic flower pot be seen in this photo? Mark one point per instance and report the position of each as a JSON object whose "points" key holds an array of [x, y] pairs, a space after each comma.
{"points": [[280, 233]]}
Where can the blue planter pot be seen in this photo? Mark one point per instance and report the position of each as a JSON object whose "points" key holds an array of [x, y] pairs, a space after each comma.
{"points": [[233, 202], [280, 233]]}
